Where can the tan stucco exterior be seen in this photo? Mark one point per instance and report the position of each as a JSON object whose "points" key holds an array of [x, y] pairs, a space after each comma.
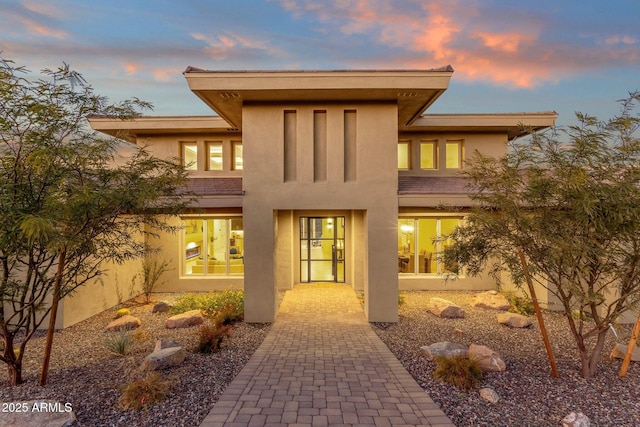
{"points": [[319, 144]]}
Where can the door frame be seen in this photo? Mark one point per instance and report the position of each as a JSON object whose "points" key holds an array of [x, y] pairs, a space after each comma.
{"points": [[338, 247]]}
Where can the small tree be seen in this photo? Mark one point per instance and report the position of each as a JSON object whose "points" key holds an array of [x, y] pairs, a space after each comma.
{"points": [[570, 200], [67, 205]]}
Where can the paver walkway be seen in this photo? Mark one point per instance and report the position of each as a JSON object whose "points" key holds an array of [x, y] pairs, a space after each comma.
{"points": [[322, 365]]}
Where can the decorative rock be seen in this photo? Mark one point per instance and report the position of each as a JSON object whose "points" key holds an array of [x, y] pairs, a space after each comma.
{"points": [[576, 420], [445, 348], [124, 323], [163, 359], [184, 320], [514, 320], [444, 308], [492, 300], [489, 360], [161, 307], [489, 395], [620, 351], [38, 413], [163, 343]]}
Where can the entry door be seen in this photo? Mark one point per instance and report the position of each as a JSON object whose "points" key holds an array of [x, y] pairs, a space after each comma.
{"points": [[322, 249]]}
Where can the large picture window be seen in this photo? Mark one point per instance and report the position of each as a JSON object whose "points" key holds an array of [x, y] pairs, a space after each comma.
{"points": [[213, 246], [420, 244]]}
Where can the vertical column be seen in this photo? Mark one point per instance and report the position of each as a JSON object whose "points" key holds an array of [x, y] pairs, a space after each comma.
{"points": [[319, 146], [290, 146], [350, 148]]}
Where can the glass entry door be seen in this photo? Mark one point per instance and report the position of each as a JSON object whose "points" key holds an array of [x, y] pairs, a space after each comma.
{"points": [[322, 249]]}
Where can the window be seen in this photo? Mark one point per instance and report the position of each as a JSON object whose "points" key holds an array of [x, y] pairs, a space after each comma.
{"points": [[189, 155], [236, 161], [215, 156], [428, 155], [453, 153], [404, 158], [418, 253], [213, 246]]}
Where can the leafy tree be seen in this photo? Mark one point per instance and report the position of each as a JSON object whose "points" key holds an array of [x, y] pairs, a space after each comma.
{"points": [[569, 199], [68, 204]]}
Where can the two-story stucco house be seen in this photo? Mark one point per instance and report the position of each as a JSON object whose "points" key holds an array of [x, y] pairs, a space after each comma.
{"points": [[320, 176]]}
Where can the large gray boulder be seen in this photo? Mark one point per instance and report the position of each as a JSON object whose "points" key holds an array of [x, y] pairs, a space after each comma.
{"points": [[445, 308], [124, 323], [488, 359], [163, 343], [185, 320], [491, 300], [444, 348], [163, 359]]}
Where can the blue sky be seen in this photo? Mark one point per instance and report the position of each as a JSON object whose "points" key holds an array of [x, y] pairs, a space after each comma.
{"points": [[508, 55]]}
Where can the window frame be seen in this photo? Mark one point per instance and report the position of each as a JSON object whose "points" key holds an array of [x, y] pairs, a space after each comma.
{"points": [[209, 145], [191, 166]]}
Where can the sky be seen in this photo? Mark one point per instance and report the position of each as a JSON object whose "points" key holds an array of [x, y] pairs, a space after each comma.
{"points": [[508, 55]]}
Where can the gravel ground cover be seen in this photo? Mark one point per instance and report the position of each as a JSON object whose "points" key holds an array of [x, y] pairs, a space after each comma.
{"points": [[84, 373], [529, 395]]}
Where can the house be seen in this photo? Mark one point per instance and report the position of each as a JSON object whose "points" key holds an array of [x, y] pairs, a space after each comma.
{"points": [[320, 176]]}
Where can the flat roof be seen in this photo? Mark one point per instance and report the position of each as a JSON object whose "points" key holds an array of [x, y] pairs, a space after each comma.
{"points": [[226, 91]]}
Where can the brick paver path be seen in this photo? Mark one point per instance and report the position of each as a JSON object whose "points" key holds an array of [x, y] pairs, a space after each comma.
{"points": [[322, 365]]}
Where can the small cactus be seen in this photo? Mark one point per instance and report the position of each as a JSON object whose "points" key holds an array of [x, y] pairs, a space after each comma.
{"points": [[122, 312]]}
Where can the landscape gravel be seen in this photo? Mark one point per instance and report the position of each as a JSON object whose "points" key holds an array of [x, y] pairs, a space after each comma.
{"points": [[529, 395], [86, 375]]}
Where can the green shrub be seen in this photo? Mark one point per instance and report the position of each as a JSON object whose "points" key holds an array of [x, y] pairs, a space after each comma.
{"points": [[152, 270], [119, 343], [143, 391], [210, 337], [521, 305], [122, 312], [459, 371], [211, 303]]}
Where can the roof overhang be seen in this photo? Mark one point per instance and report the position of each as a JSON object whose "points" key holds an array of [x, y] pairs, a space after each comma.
{"points": [[130, 130], [514, 125], [226, 91]]}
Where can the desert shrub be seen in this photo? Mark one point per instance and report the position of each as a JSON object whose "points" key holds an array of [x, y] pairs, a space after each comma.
{"points": [[230, 314], [520, 305], [140, 335], [122, 312], [210, 337], [118, 342], [460, 371], [401, 299], [152, 269], [143, 391], [211, 303]]}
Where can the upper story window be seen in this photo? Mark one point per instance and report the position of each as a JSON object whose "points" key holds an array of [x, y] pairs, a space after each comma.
{"points": [[236, 161], [223, 156], [189, 155], [404, 155], [215, 156], [453, 154], [430, 154]]}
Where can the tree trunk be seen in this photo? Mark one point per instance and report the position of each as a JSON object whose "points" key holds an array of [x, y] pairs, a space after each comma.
{"points": [[590, 361], [14, 365], [52, 317]]}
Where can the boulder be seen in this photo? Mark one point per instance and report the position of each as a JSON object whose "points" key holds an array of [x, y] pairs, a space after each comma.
{"points": [[123, 323], [489, 360], [492, 300], [163, 359], [620, 351], [576, 419], [445, 348], [161, 307], [38, 413], [185, 320], [514, 320], [445, 308], [163, 343], [489, 395]]}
